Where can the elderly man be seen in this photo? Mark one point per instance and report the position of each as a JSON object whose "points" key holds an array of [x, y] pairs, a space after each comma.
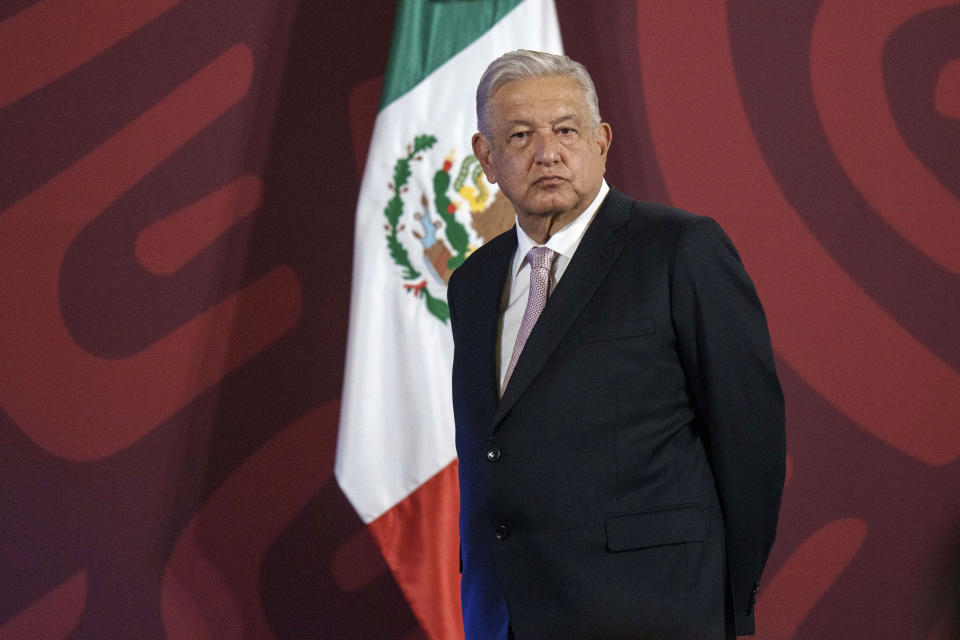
{"points": [[618, 415]]}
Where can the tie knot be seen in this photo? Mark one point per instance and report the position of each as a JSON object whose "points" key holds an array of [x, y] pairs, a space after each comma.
{"points": [[541, 257]]}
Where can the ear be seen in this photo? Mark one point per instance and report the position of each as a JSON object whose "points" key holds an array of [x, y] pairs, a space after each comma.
{"points": [[481, 149], [604, 136]]}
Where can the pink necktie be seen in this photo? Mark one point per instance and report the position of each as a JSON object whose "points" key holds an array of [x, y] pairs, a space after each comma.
{"points": [[540, 259]]}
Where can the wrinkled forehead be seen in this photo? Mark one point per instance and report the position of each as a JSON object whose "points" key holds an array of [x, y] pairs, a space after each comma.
{"points": [[538, 100]]}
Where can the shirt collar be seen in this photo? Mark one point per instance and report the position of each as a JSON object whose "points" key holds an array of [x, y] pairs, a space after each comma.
{"points": [[565, 241]]}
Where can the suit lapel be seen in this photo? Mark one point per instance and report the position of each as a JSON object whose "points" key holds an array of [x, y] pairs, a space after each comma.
{"points": [[597, 252], [487, 296]]}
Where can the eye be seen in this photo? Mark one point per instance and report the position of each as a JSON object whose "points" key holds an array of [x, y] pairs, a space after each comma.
{"points": [[566, 131], [519, 135]]}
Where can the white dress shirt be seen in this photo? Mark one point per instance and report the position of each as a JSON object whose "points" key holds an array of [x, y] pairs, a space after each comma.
{"points": [[517, 288]]}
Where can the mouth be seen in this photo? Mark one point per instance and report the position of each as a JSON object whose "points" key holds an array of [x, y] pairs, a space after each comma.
{"points": [[547, 181]]}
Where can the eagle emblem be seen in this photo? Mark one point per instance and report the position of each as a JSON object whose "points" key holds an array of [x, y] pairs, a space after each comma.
{"points": [[434, 228]]}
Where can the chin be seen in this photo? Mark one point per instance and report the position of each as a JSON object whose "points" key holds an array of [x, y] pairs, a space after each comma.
{"points": [[552, 205]]}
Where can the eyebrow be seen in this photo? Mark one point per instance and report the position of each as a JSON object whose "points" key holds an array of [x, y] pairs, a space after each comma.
{"points": [[554, 123]]}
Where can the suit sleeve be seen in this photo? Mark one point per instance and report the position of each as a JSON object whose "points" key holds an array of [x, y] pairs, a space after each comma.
{"points": [[724, 347], [450, 296]]}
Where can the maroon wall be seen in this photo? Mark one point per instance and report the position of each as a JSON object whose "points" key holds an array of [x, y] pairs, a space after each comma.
{"points": [[169, 384]]}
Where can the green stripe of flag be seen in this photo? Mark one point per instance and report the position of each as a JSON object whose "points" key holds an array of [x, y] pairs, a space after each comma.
{"points": [[427, 33]]}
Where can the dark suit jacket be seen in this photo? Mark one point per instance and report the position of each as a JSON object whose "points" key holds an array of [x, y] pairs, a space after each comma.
{"points": [[627, 484]]}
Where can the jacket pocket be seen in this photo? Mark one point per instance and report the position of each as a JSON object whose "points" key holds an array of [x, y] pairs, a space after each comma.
{"points": [[667, 525], [601, 331]]}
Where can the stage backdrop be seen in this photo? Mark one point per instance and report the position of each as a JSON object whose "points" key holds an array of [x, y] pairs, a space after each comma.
{"points": [[178, 181]]}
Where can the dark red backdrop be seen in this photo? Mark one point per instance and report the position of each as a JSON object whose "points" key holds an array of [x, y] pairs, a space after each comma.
{"points": [[177, 184]]}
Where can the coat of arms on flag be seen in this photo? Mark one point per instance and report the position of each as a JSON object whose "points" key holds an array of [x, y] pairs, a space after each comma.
{"points": [[460, 197]]}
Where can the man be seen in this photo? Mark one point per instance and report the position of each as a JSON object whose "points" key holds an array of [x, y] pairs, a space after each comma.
{"points": [[621, 450]]}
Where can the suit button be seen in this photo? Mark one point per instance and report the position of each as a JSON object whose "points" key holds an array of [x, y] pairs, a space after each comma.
{"points": [[501, 531], [493, 454]]}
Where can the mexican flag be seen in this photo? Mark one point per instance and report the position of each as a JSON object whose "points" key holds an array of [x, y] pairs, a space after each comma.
{"points": [[424, 206]]}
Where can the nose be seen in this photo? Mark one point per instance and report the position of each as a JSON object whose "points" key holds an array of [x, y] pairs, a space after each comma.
{"points": [[548, 149]]}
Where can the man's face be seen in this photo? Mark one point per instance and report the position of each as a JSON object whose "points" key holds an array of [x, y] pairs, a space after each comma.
{"points": [[543, 150]]}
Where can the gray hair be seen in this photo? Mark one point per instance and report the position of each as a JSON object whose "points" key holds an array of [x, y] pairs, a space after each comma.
{"points": [[524, 64]]}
